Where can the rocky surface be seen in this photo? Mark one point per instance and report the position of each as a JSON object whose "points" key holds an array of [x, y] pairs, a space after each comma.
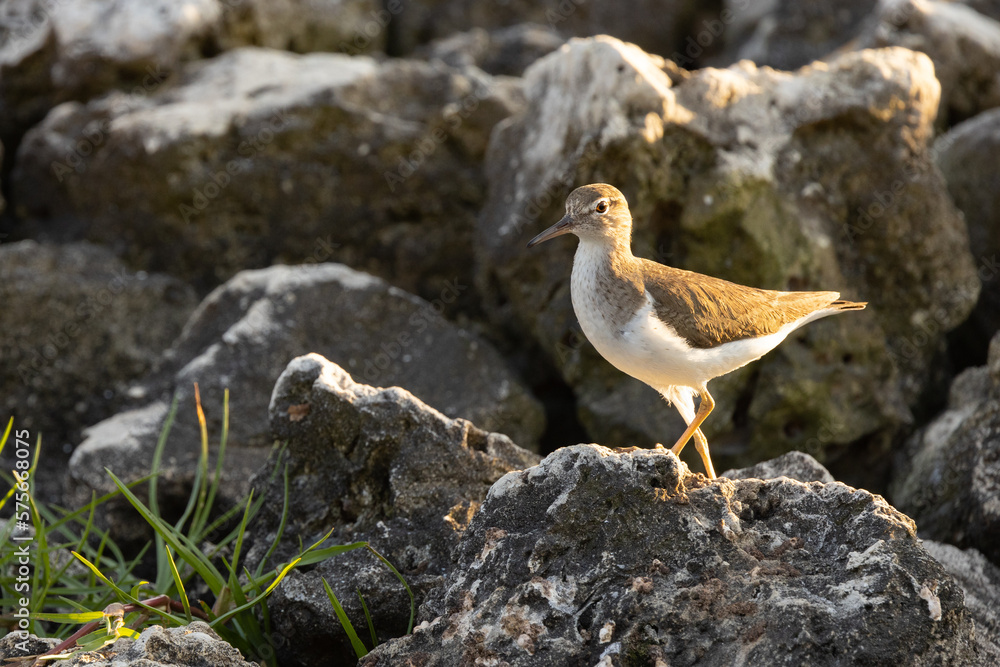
{"points": [[794, 465], [377, 465], [79, 326], [964, 45], [963, 155], [948, 475], [242, 336], [193, 645], [79, 49], [741, 173], [751, 572], [981, 582], [259, 156]]}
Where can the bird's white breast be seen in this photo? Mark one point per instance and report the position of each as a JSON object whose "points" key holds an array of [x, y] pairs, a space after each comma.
{"points": [[645, 347]]}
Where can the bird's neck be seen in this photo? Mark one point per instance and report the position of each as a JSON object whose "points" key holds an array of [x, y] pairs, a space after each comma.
{"points": [[607, 265]]}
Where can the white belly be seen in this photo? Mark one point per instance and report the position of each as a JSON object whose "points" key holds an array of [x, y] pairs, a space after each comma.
{"points": [[651, 350]]}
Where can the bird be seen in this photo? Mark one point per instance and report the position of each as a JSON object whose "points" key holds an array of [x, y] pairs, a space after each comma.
{"points": [[672, 329]]}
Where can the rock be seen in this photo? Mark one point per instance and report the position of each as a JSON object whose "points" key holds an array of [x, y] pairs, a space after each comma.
{"points": [[504, 51], [14, 645], [794, 465], [192, 645], [819, 179], [948, 475], [84, 48], [964, 45], [963, 155], [981, 582], [79, 328], [597, 557], [227, 172], [242, 336], [787, 34], [660, 27], [380, 466]]}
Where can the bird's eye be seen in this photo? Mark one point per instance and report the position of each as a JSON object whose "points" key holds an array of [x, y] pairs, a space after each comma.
{"points": [[602, 206]]}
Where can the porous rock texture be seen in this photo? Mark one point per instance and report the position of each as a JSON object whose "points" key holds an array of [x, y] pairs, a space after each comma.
{"points": [[626, 558], [376, 465], [981, 581], [78, 49], [241, 338], [817, 179], [259, 156], [947, 476]]}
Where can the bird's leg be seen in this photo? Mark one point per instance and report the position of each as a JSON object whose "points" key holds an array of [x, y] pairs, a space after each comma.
{"points": [[705, 406], [701, 444]]}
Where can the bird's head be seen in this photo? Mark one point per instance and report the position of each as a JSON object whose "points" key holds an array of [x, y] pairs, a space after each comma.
{"points": [[595, 212]]}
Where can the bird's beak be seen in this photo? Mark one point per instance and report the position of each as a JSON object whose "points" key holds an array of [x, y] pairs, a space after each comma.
{"points": [[564, 226]]}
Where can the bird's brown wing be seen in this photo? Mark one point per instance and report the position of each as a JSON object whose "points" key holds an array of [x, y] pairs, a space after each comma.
{"points": [[710, 311]]}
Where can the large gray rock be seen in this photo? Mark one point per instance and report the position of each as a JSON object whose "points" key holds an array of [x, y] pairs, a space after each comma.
{"points": [[377, 465], [602, 558], [257, 156], [79, 328], [79, 49], [981, 582], [948, 475], [965, 156], [819, 179], [964, 45], [243, 335]]}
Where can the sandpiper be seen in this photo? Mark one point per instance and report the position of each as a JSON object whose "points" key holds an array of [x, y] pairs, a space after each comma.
{"points": [[673, 329]]}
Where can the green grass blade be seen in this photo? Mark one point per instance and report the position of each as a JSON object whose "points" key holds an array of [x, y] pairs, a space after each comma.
{"points": [[6, 433], [124, 596], [178, 584], [368, 618], [219, 458], [162, 568], [267, 591], [81, 617], [189, 554], [413, 603], [356, 643]]}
